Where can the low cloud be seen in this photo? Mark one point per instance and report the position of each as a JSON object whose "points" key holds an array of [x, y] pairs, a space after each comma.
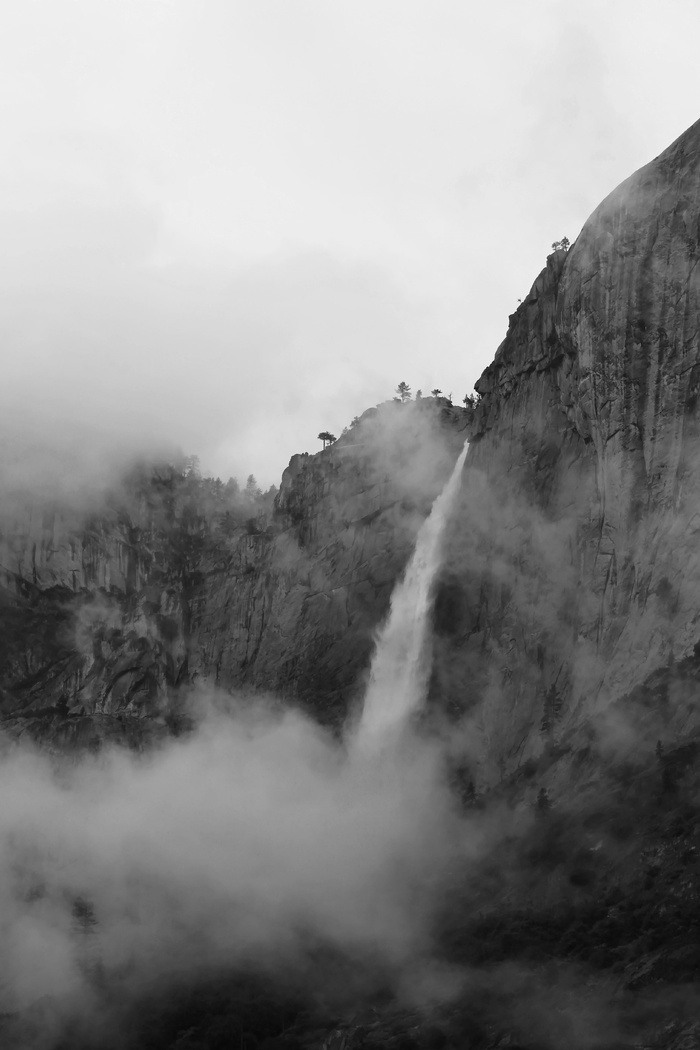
{"points": [[243, 845]]}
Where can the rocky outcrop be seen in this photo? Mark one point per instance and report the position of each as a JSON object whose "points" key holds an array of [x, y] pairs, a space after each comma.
{"points": [[110, 613], [94, 608], [574, 568], [295, 613], [566, 638]]}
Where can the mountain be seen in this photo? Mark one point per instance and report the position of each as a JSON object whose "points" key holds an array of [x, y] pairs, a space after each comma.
{"points": [[113, 604], [563, 699], [574, 568]]}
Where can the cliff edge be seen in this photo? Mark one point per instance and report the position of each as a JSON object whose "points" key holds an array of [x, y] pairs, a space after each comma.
{"points": [[574, 569]]}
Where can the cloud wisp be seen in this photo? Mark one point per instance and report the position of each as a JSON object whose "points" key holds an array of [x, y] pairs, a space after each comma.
{"points": [[241, 845]]}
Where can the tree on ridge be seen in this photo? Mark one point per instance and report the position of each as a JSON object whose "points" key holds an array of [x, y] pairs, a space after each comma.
{"points": [[252, 489]]}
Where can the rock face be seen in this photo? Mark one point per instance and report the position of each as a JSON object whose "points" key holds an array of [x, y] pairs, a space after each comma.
{"points": [[567, 641], [566, 668], [302, 623], [574, 569], [107, 615], [94, 607]]}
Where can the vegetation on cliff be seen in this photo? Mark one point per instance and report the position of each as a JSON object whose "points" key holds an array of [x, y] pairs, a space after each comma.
{"points": [[526, 873]]}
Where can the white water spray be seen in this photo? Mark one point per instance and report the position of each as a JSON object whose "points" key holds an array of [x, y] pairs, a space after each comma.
{"points": [[402, 658]]}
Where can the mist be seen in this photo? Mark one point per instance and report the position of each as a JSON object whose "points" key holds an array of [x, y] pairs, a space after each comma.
{"points": [[252, 841], [247, 844], [261, 844], [232, 228]]}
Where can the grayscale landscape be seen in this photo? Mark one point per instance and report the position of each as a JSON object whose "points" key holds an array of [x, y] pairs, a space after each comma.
{"points": [[383, 735]]}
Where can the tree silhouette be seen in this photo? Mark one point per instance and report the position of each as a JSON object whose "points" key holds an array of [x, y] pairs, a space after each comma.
{"points": [[326, 437], [436, 392], [404, 391], [564, 243], [190, 467], [252, 489]]}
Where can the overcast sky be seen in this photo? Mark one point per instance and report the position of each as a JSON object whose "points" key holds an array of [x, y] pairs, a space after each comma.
{"points": [[231, 224]]}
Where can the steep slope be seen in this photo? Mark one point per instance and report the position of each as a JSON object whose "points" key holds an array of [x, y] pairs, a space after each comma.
{"points": [[565, 683], [302, 624], [95, 603], [575, 568], [111, 611]]}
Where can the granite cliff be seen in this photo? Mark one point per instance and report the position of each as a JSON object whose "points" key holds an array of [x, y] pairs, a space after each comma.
{"points": [[573, 567], [113, 610], [573, 572], [566, 671]]}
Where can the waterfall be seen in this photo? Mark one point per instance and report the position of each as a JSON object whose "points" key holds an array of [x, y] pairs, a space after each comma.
{"points": [[402, 658]]}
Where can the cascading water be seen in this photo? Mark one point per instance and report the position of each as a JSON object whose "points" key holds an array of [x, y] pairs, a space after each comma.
{"points": [[402, 658]]}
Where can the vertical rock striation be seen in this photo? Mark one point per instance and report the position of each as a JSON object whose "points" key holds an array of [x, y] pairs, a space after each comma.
{"points": [[573, 570], [108, 613], [575, 567], [298, 617]]}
